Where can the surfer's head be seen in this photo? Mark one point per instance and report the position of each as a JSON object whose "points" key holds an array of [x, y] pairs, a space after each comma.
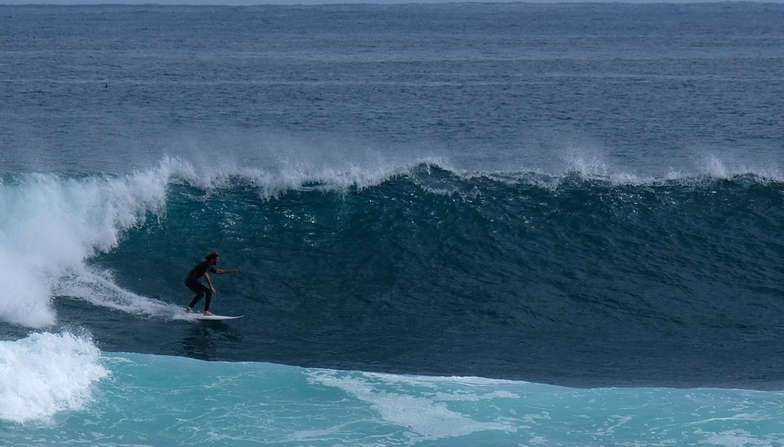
{"points": [[212, 257]]}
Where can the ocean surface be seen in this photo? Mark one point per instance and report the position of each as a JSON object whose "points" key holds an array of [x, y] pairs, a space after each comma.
{"points": [[460, 224]]}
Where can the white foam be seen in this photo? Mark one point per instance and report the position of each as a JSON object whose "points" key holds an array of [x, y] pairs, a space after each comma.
{"points": [[46, 373], [427, 418], [49, 225], [733, 438]]}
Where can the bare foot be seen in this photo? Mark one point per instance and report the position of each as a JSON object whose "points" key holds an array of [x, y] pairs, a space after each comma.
{"points": [[207, 313], [187, 310]]}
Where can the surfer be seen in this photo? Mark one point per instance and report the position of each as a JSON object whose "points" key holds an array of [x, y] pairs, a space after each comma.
{"points": [[204, 269]]}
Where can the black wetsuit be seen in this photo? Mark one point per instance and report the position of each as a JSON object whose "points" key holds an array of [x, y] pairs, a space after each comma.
{"points": [[193, 283]]}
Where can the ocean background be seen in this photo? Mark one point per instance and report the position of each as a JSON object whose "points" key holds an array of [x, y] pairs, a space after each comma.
{"points": [[466, 224]]}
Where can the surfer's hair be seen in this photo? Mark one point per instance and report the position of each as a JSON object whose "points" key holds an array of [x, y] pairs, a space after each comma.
{"points": [[212, 256]]}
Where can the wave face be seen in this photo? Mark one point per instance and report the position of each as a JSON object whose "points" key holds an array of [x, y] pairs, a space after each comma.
{"points": [[161, 400], [571, 279]]}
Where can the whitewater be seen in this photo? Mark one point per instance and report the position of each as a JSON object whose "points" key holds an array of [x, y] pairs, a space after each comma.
{"points": [[464, 224]]}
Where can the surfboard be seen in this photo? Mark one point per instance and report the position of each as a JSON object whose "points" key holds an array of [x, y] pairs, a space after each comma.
{"points": [[214, 317]]}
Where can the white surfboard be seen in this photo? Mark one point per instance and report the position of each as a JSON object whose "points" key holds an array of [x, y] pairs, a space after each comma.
{"points": [[213, 317]]}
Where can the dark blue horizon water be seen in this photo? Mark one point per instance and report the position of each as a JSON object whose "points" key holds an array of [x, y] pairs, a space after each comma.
{"points": [[578, 195], [644, 89]]}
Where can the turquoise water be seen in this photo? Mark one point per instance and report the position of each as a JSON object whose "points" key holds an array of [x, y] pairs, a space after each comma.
{"points": [[151, 400]]}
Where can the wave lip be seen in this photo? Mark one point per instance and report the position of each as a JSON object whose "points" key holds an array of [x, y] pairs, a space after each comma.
{"points": [[47, 373], [440, 175]]}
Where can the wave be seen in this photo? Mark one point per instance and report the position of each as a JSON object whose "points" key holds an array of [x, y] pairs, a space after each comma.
{"points": [[53, 226]]}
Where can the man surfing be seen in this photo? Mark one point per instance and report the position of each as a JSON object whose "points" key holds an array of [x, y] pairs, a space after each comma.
{"points": [[192, 281]]}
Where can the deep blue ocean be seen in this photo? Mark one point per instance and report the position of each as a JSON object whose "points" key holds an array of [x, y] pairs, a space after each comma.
{"points": [[464, 224]]}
